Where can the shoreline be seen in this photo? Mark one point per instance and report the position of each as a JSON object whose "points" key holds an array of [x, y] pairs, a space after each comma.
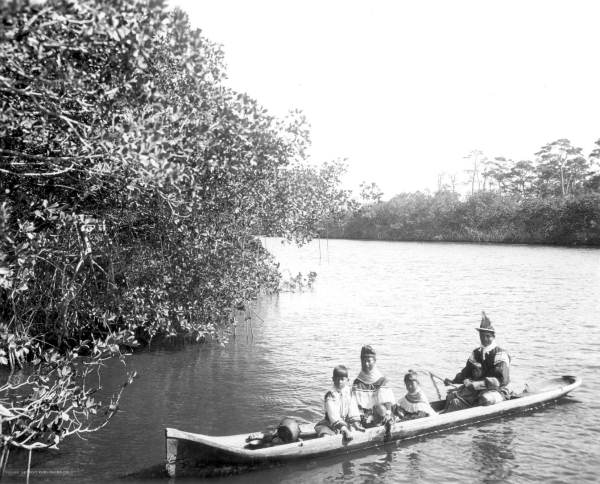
{"points": [[463, 241]]}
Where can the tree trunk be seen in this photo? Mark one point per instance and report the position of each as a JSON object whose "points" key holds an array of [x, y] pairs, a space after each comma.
{"points": [[562, 177]]}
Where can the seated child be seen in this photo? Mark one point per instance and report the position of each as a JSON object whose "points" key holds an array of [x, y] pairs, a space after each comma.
{"points": [[341, 409], [467, 395], [415, 403]]}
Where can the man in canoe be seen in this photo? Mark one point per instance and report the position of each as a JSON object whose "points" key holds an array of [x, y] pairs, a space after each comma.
{"points": [[485, 377], [341, 410], [372, 391]]}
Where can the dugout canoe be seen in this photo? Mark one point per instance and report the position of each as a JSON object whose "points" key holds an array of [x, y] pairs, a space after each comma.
{"points": [[190, 453]]}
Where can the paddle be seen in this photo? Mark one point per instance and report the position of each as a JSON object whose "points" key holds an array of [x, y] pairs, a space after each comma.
{"points": [[433, 376]]}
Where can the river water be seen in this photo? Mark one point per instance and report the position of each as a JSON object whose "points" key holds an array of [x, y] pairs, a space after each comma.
{"points": [[417, 304]]}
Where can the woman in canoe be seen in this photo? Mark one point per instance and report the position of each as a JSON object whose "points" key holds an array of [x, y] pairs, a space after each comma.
{"points": [[372, 391], [485, 377]]}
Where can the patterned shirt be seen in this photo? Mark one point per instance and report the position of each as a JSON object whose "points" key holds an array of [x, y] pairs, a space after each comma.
{"points": [[494, 367], [370, 391]]}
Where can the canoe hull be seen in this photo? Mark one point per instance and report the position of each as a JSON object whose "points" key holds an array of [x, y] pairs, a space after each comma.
{"points": [[189, 453]]}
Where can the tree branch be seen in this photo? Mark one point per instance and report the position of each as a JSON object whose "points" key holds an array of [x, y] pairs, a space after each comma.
{"points": [[53, 173], [4, 152]]}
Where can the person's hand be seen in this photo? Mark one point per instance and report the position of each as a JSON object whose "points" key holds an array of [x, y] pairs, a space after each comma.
{"points": [[357, 426], [388, 420], [467, 383], [347, 434], [448, 382]]}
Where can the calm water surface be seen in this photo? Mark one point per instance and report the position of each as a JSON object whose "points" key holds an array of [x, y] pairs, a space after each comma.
{"points": [[417, 304]]}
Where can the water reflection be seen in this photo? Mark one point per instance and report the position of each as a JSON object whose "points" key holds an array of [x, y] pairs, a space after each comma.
{"points": [[417, 304], [415, 472], [493, 453], [378, 468], [348, 469], [383, 467]]}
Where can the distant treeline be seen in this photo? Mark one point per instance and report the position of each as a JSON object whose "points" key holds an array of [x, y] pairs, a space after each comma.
{"points": [[554, 200], [482, 217]]}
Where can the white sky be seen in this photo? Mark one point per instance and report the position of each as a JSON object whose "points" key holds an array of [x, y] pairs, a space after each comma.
{"points": [[406, 89]]}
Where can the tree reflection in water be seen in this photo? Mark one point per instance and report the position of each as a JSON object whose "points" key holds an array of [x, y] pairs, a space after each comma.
{"points": [[493, 452]]}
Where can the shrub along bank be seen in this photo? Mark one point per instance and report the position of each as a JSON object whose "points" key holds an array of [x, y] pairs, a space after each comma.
{"points": [[132, 180]]}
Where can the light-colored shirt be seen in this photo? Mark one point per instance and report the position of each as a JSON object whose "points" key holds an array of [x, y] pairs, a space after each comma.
{"points": [[372, 389], [416, 402], [340, 406]]}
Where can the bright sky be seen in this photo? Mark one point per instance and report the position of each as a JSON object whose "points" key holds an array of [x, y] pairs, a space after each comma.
{"points": [[405, 89]]}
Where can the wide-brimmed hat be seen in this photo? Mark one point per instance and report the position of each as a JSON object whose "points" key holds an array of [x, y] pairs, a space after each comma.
{"points": [[486, 324]]}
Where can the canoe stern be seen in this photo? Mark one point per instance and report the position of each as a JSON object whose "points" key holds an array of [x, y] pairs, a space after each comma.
{"points": [[194, 454]]}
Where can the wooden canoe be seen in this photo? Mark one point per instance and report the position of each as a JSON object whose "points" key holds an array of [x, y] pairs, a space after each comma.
{"points": [[189, 453]]}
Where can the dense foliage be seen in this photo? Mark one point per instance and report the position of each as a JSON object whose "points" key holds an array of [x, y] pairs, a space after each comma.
{"points": [[553, 200], [132, 184]]}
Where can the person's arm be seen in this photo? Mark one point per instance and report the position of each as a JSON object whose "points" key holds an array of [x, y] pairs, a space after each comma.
{"points": [[398, 409], [461, 376], [427, 408], [501, 373], [466, 373], [478, 384], [385, 396], [332, 410]]}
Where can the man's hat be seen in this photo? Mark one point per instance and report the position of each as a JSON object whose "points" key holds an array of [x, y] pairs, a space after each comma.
{"points": [[367, 350], [486, 324]]}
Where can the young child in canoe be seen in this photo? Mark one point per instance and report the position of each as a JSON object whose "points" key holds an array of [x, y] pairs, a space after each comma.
{"points": [[341, 409], [465, 396], [415, 403]]}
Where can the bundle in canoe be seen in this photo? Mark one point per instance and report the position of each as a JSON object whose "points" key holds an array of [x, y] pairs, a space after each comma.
{"points": [[188, 453]]}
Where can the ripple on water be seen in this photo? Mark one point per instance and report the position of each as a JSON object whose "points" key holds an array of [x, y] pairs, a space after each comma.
{"points": [[418, 305]]}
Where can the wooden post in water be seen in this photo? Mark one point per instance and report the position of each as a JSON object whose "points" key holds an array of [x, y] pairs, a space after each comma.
{"points": [[171, 455], [28, 467]]}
